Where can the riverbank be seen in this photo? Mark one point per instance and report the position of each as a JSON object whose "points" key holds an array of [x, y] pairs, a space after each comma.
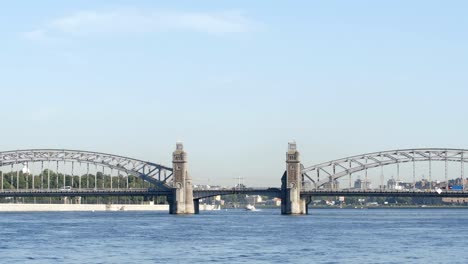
{"points": [[16, 207], [390, 207]]}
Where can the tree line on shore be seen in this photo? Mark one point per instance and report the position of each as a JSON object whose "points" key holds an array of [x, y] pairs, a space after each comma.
{"points": [[49, 179], [52, 180]]}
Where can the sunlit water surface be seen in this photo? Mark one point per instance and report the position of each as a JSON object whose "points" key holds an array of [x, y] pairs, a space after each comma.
{"points": [[236, 236]]}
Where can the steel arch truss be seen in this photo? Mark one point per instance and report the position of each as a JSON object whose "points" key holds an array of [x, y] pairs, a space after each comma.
{"points": [[326, 172], [148, 171]]}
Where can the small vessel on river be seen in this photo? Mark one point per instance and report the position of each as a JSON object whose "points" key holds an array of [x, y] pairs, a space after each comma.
{"points": [[250, 207]]}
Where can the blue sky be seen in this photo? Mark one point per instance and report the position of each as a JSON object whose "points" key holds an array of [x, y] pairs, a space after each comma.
{"points": [[234, 80]]}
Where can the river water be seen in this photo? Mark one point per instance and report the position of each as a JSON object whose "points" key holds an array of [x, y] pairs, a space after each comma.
{"points": [[236, 236]]}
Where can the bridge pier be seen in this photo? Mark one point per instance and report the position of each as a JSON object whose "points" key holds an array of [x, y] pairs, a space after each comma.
{"points": [[308, 200], [196, 204], [181, 200], [291, 184]]}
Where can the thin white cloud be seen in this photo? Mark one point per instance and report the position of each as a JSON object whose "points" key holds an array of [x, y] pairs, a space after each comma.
{"points": [[133, 21]]}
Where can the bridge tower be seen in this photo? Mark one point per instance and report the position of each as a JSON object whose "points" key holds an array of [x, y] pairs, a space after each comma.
{"points": [[181, 201], [291, 184]]}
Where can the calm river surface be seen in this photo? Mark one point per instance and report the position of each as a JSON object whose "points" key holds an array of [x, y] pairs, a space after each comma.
{"points": [[235, 236]]}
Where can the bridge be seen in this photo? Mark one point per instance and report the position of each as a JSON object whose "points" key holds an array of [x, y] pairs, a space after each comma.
{"points": [[299, 183]]}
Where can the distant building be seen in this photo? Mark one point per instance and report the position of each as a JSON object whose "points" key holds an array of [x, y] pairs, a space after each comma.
{"points": [[423, 184], [253, 199], [458, 181], [393, 184], [362, 184], [274, 202], [454, 200], [332, 185]]}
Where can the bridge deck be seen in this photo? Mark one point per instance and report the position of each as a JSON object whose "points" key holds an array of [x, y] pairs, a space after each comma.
{"points": [[82, 192], [389, 193], [198, 194]]}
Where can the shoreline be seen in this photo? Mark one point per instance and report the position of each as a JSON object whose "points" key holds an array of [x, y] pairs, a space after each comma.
{"points": [[392, 207], [27, 207]]}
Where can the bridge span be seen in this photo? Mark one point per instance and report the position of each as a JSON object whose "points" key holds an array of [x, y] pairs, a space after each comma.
{"points": [[200, 194], [384, 193], [298, 184], [147, 192]]}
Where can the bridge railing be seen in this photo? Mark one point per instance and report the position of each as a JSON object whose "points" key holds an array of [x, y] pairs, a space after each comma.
{"points": [[419, 191], [65, 191]]}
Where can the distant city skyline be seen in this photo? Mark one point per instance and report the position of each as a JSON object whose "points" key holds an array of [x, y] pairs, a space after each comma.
{"points": [[235, 81]]}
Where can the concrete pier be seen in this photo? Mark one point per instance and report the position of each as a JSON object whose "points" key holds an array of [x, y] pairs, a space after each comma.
{"points": [[291, 184], [181, 201]]}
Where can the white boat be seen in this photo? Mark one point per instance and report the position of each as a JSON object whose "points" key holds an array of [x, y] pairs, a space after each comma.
{"points": [[209, 207], [250, 207]]}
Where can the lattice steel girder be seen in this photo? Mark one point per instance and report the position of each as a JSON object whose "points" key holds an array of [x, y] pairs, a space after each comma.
{"points": [[374, 159], [338, 168], [130, 166]]}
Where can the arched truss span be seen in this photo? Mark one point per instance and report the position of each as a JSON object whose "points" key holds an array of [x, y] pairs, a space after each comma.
{"points": [[151, 172], [335, 169]]}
